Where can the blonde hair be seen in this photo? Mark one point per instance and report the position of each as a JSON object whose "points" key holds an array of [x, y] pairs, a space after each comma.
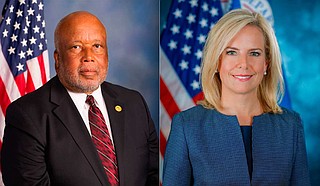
{"points": [[271, 88]]}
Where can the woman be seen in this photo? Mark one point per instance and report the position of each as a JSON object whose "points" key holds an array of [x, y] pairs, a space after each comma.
{"points": [[238, 135]]}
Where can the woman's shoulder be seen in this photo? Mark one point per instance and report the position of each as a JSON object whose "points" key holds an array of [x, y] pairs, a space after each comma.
{"points": [[196, 114], [195, 111], [288, 115], [287, 119]]}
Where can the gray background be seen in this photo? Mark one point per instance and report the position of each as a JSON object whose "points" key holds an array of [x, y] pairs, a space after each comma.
{"points": [[133, 38]]}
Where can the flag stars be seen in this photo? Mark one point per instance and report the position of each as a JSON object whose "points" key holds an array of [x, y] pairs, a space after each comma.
{"points": [[214, 12], [30, 11], [188, 34], [5, 33], [184, 65], [203, 23], [13, 38], [197, 69], [34, 1], [212, 25], [29, 52], [27, 21], [205, 7], [11, 8], [25, 30], [175, 29], [186, 49], [33, 40], [40, 6], [22, 2], [38, 17], [20, 67], [24, 42], [173, 44], [11, 50], [36, 29], [195, 85], [201, 38], [193, 3], [40, 46], [22, 55], [42, 35], [191, 18], [43, 24], [16, 25], [198, 54], [177, 13], [19, 13], [8, 21]]}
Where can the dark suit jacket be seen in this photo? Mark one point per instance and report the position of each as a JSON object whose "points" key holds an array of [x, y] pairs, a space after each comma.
{"points": [[206, 147], [47, 143]]}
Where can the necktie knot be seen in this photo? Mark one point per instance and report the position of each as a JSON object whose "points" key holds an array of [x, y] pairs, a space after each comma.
{"points": [[90, 100]]}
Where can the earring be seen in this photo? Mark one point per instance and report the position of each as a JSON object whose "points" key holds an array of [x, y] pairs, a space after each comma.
{"points": [[265, 73]]}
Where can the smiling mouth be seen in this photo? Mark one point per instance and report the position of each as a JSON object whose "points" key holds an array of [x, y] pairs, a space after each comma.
{"points": [[242, 77]]}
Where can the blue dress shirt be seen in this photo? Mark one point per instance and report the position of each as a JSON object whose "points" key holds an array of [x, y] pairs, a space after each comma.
{"points": [[206, 147]]}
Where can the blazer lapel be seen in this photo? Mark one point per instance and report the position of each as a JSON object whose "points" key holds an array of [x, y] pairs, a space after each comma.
{"points": [[116, 112], [68, 114]]}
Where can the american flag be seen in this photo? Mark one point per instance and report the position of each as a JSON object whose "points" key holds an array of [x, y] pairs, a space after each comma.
{"points": [[182, 41], [24, 63]]}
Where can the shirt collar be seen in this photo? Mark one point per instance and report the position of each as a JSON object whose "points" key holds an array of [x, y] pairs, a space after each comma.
{"points": [[80, 98]]}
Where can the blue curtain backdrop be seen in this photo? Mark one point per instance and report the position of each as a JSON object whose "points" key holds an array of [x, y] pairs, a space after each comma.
{"points": [[133, 37], [296, 24]]}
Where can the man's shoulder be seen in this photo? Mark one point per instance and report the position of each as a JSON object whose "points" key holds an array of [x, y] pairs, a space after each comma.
{"points": [[37, 94]]}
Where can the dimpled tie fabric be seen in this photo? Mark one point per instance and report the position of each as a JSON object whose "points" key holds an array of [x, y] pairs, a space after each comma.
{"points": [[102, 141]]}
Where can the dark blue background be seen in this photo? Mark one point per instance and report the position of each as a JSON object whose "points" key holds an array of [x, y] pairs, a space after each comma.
{"points": [[297, 27]]}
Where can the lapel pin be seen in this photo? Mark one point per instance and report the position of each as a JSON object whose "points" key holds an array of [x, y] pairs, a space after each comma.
{"points": [[118, 108]]}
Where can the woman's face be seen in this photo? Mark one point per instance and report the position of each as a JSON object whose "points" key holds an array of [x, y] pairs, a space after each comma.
{"points": [[243, 62]]}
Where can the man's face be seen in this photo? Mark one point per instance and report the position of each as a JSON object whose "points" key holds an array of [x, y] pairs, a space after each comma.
{"points": [[81, 56]]}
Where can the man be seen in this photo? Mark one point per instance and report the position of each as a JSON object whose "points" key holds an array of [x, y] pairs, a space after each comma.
{"points": [[50, 138]]}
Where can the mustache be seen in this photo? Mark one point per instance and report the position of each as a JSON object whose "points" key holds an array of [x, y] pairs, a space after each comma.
{"points": [[85, 68]]}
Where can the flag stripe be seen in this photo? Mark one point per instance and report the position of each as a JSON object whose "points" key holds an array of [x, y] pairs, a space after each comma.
{"points": [[166, 121], [24, 58], [198, 97], [6, 75], [172, 81], [21, 82], [45, 57], [5, 100], [30, 85], [167, 99], [42, 69], [35, 71]]}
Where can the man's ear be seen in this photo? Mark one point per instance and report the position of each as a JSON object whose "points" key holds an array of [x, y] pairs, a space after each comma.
{"points": [[56, 59]]}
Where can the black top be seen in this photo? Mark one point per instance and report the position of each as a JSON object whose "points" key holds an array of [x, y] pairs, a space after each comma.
{"points": [[247, 141]]}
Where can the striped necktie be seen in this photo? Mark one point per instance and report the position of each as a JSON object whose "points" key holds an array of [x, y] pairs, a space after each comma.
{"points": [[101, 139]]}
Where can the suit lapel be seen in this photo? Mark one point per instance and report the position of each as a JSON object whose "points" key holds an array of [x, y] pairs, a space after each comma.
{"points": [[116, 112], [68, 114]]}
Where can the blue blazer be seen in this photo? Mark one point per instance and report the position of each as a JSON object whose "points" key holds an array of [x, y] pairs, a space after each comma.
{"points": [[206, 147]]}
